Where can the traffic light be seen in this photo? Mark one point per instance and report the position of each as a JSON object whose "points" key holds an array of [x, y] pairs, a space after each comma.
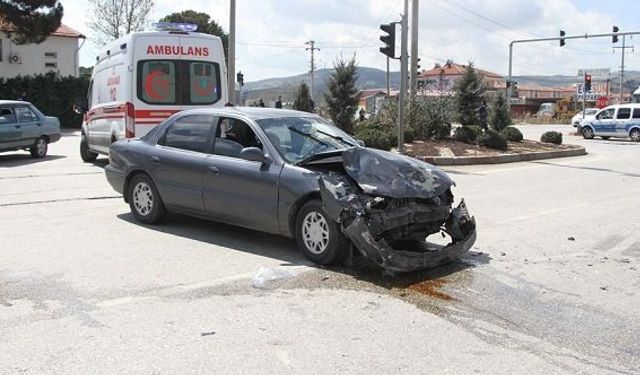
{"points": [[389, 40], [418, 67], [240, 78], [587, 83], [562, 33], [515, 85], [614, 38], [508, 83]]}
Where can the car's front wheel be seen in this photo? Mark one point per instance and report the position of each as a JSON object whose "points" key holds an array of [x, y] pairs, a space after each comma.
{"points": [[587, 133], [39, 148], [144, 200], [635, 135], [319, 237], [85, 153]]}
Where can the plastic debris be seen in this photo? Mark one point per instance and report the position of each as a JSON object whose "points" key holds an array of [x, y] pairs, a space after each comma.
{"points": [[266, 274]]}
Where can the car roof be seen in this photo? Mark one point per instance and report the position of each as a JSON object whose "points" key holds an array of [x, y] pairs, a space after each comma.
{"points": [[254, 113], [3, 102], [633, 105]]}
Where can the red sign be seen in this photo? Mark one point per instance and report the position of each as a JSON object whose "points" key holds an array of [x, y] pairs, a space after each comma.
{"points": [[602, 102]]}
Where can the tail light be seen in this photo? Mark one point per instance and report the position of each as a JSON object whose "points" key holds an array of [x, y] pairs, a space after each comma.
{"points": [[129, 120]]}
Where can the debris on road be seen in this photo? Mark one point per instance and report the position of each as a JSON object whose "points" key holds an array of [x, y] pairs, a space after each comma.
{"points": [[571, 239], [266, 274]]}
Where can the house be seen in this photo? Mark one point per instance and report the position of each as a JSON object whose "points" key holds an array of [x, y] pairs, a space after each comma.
{"points": [[441, 78], [59, 53]]}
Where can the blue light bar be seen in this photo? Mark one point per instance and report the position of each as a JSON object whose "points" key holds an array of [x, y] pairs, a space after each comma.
{"points": [[170, 26]]}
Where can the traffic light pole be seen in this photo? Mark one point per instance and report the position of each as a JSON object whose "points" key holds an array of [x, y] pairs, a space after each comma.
{"points": [[231, 69], [584, 95], [414, 45], [561, 38], [403, 76]]}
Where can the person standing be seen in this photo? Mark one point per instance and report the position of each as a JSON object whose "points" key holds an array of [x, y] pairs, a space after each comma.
{"points": [[279, 102], [362, 113], [482, 114], [260, 103]]}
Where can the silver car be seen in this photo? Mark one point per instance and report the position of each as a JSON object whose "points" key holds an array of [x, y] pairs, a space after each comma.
{"points": [[294, 174], [23, 126]]}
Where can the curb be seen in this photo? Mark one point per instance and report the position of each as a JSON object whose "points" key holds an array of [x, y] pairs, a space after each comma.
{"points": [[502, 158]]}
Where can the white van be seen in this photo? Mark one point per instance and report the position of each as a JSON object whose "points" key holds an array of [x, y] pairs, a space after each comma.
{"points": [[620, 120], [142, 78]]}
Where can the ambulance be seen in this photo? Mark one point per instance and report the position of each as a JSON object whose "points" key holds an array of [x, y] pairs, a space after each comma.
{"points": [[144, 77]]}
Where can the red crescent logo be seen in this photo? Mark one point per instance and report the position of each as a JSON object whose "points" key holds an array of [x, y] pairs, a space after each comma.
{"points": [[159, 80]]}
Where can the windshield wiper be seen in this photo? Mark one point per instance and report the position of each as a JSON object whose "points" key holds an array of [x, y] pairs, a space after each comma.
{"points": [[337, 137], [309, 136]]}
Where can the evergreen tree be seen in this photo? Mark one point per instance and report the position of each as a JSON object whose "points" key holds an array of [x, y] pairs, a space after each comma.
{"points": [[342, 100], [32, 21], [302, 101], [468, 94], [205, 24], [499, 113]]}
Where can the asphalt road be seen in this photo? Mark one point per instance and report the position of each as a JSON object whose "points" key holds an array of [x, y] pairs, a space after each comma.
{"points": [[551, 285]]}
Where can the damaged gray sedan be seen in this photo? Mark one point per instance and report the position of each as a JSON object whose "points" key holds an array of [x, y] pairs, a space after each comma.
{"points": [[294, 174]]}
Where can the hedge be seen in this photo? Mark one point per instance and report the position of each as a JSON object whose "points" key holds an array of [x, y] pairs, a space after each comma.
{"points": [[51, 94]]}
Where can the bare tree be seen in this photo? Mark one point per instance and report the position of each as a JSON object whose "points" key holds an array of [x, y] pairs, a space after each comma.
{"points": [[112, 19]]}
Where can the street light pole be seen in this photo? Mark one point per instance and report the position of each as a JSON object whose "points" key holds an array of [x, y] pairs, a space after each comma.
{"points": [[414, 45], [231, 70]]}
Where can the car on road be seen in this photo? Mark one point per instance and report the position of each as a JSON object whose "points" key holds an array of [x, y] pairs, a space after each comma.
{"points": [[24, 127], [589, 114], [619, 120], [294, 174]]}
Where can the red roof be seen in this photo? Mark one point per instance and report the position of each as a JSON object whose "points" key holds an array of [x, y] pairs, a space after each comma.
{"points": [[454, 69], [63, 30]]}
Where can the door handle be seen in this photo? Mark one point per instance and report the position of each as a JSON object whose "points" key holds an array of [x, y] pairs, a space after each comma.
{"points": [[213, 169], [18, 126], [155, 159]]}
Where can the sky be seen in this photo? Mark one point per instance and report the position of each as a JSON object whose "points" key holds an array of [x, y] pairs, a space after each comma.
{"points": [[271, 34]]}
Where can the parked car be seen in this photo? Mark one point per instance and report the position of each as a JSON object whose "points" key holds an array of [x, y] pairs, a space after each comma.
{"points": [[23, 126], [294, 174], [619, 120], [589, 114]]}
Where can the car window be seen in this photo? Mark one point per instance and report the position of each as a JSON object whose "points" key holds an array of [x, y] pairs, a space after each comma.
{"points": [[7, 115], [606, 114], [636, 113], [623, 113], [591, 112], [189, 133], [232, 135], [24, 114]]}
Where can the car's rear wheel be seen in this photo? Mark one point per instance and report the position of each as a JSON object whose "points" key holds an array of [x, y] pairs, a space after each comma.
{"points": [[144, 200], [86, 155], [319, 237], [587, 133], [635, 135], [39, 148]]}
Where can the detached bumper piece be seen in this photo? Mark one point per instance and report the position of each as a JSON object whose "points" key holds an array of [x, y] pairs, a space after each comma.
{"points": [[392, 232]]}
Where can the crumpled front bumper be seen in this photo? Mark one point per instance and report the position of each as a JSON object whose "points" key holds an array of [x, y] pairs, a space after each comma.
{"points": [[460, 226]]}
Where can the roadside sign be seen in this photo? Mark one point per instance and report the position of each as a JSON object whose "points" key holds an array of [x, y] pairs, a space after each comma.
{"points": [[602, 101], [596, 74]]}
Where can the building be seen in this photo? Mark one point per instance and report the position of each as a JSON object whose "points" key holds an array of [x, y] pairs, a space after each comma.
{"points": [[59, 54], [441, 78]]}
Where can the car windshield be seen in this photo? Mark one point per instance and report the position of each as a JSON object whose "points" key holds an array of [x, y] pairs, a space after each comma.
{"points": [[298, 138], [590, 112]]}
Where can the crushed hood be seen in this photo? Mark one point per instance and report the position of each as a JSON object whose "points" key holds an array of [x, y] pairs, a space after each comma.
{"points": [[393, 175]]}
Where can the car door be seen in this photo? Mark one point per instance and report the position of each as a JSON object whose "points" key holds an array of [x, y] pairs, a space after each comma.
{"points": [[177, 162], [239, 191], [29, 124], [604, 124], [623, 115], [9, 128]]}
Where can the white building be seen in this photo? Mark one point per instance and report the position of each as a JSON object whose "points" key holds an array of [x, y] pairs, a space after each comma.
{"points": [[59, 53]]}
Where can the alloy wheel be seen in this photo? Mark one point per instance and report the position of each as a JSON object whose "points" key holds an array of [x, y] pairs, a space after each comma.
{"points": [[315, 232], [143, 198]]}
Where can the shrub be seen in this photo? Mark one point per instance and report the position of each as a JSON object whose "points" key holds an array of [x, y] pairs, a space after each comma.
{"points": [[499, 115], [493, 139], [377, 135], [467, 134], [409, 135], [551, 137], [511, 133]]}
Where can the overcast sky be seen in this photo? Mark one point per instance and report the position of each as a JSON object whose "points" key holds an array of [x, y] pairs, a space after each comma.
{"points": [[271, 33]]}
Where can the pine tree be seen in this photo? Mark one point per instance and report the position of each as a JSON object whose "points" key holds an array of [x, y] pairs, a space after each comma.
{"points": [[469, 90], [303, 101], [32, 20], [499, 113], [343, 96]]}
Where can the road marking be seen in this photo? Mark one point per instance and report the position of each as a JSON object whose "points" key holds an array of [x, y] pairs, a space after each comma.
{"points": [[60, 200]]}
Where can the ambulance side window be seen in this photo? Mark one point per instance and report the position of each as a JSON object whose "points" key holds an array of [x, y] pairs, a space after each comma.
{"points": [[204, 82], [157, 82]]}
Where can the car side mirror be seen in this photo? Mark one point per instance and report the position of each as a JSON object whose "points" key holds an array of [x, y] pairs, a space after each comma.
{"points": [[253, 154], [80, 106]]}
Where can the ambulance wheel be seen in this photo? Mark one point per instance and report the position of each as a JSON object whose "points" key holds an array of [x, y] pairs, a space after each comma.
{"points": [[86, 155]]}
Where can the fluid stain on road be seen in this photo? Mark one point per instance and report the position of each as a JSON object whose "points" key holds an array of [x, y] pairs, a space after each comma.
{"points": [[431, 288]]}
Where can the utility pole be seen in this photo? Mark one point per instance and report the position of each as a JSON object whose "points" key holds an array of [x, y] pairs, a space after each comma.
{"points": [[312, 48], [231, 70], [388, 81], [414, 45], [623, 48], [403, 75]]}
